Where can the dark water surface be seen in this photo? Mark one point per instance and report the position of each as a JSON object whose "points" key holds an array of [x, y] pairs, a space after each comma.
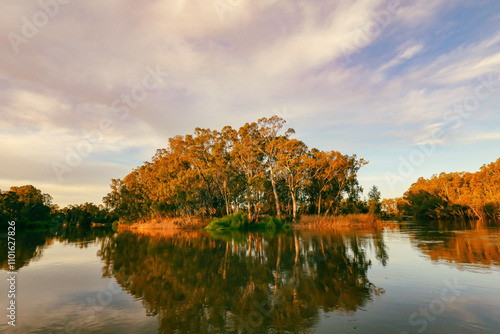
{"points": [[408, 279]]}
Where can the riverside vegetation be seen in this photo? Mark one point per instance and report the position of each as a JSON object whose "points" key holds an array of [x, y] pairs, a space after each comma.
{"points": [[258, 169], [254, 177]]}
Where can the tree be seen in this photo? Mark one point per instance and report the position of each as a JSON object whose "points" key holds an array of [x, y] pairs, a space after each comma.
{"points": [[26, 204], [374, 202], [269, 146], [457, 195], [257, 167], [246, 159], [291, 158]]}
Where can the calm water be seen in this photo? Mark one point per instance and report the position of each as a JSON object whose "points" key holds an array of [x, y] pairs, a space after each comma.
{"points": [[409, 279]]}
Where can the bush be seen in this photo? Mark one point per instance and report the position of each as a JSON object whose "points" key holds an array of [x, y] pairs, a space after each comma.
{"points": [[273, 223], [236, 221], [289, 219], [239, 221]]}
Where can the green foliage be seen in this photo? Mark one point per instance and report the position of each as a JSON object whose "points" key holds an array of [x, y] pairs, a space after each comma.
{"points": [[374, 201], [24, 205], [273, 223], [31, 208], [88, 213], [236, 221], [239, 221]]}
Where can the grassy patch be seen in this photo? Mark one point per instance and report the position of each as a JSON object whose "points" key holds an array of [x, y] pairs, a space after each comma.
{"points": [[236, 221], [239, 221], [350, 220]]}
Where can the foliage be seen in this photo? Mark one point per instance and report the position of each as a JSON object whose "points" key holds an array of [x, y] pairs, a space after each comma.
{"points": [[239, 221], [31, 208], [374, 201], [87, 213], [236, 221], [273, 223], [24, 204], [456, 195], [258, 168]]}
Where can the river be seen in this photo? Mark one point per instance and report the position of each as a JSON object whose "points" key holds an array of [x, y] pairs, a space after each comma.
{"points": [[410, 278]]}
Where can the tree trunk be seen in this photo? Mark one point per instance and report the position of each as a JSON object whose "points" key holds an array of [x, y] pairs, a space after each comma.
{"points": [[276, 276], [278, 209], [226, 199], [294, 205], [249, 209], [319, 204], [296, 240]]}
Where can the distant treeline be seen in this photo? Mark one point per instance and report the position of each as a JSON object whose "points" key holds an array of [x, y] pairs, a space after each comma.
{"points": [[452, 196], [27, 205], [261, 170], [257, 168]]}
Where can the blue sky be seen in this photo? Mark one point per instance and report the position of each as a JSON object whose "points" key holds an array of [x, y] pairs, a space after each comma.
{"points": [[89, 90]]}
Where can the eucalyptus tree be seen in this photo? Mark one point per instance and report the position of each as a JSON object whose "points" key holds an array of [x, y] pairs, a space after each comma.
{"points": [[246, 159], [269, 146], [291, 158]]}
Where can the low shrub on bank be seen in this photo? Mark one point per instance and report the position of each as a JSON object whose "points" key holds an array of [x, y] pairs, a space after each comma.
{"points": [[239, 221], [235, 221]]}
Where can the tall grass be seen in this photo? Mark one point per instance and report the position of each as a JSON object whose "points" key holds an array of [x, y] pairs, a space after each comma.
{"points": [[165, 223], [350, 220]]}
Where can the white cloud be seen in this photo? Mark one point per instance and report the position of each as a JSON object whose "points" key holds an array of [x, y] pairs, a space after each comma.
{"points": [[262, 56], [486, 136], [411, 51]]}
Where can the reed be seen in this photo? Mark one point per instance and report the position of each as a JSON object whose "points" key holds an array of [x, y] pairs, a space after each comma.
{"points": [[162, 223], [350, 220]]}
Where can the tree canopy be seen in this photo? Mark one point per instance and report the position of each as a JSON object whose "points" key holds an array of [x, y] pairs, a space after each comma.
{"points": [[258, 168], [25, 203], [456, 195]]}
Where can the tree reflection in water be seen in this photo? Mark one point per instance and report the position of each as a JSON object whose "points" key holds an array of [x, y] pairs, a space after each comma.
{"points": [[30, 244], [232, 282], [459, 245]]}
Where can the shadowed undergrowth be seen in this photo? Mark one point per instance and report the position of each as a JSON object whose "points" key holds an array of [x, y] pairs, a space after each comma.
{"points": [[239, 221]]}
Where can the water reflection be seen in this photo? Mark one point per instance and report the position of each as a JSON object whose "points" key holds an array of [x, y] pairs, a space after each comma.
{"points": [[30, 244], [459, 247], [200, 283], [296, 282]]}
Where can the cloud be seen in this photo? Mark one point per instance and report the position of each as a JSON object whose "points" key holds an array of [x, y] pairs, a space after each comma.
{"points": [[474, 137], [262, 55], [411, 51]]}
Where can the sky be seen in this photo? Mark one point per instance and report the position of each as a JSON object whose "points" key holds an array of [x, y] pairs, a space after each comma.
{"points": [[90, 89]]}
